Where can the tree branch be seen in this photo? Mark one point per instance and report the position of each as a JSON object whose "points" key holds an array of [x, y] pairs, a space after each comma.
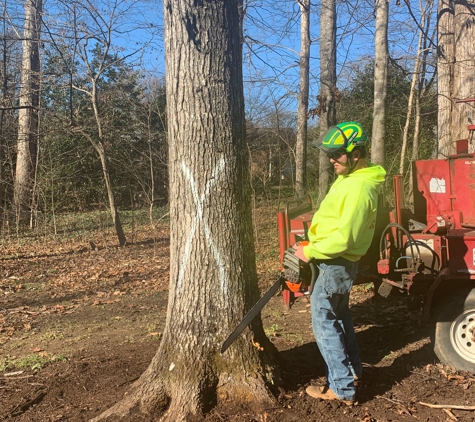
{"points": [[447, 406]]}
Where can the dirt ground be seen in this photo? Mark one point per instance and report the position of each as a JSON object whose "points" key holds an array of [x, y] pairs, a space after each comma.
{"points": [[79, 322]]}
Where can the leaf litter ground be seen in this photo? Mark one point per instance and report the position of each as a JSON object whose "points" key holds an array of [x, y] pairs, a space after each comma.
{"points": [[80, 321]]}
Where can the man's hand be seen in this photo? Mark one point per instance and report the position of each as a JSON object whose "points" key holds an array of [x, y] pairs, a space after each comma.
{"points": [[299, 251]]}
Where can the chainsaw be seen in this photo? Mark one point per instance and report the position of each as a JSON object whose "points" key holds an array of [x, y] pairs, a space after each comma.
{"points": [[297, 275]]}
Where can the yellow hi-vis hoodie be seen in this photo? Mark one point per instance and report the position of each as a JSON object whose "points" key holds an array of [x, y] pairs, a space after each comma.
{"points": [[344, 224]]}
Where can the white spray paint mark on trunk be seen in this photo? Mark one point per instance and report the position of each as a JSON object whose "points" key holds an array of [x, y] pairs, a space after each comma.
{"points": [[199, 217]]}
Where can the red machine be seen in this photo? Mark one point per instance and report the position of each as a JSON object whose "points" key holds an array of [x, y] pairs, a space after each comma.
{"points": [[293, 224], [428, 254]]}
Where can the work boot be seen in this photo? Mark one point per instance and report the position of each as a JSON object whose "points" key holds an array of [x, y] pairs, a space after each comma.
{"points": [[358, 381], [325, 393]]}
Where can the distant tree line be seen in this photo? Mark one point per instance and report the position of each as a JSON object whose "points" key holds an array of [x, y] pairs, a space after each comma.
{"points": [[69, 176], [101, 134], [82, 124]]}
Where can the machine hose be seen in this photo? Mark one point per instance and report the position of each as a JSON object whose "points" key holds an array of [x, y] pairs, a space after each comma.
{"points": [[406, 232]]}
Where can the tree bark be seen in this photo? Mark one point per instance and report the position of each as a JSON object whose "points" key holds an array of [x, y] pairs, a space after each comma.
{"points": [[378, 150], [456, 67], [4, 84], [327, 86], [213, 279], [28, 112], [302, 114], [464, 70]]}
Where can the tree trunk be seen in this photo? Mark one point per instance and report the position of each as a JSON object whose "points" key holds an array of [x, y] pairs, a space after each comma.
{"points": [[378, 150], [110, 195], [213, 279], [464, 70], [28, 111], [445, 74], [327, 86], [302, 118], [410, 102], [456, 67], [99, 147], [4, 85], [423, 83]]}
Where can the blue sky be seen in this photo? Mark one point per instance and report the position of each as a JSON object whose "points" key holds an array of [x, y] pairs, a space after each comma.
{"points": [[272, 36], [273, 28]]}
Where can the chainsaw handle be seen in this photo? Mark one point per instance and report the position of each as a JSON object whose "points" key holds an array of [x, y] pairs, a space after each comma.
{"points": [[314, 271]]}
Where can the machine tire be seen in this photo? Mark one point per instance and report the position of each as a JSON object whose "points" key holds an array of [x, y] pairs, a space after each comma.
{"points": [[453, 330]]}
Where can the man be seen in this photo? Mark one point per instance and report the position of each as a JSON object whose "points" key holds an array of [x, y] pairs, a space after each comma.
{"points": [[340, 234]]}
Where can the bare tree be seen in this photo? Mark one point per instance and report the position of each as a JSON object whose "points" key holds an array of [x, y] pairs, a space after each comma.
{"points": [[418, 84], [302, 113], [212, 264], [28, 107], [412, 94], [445, 71], [326, 109], [380, 82], [10, 70], [94, 73], [463, 113], [93, 45], [426, 77]]}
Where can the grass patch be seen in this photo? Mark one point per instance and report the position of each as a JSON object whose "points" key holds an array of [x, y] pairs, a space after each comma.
{"points": [[73, 225], [294, 338], [34, 362], [151, 327], [50, 336], [79, 338], [272, 330]]}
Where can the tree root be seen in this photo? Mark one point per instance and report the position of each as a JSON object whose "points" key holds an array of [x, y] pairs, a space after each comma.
{"points": [[180, 402], [140, 400]]}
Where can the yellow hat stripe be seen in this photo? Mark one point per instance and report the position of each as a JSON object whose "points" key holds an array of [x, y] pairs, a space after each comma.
{"points": [[334, 140]]}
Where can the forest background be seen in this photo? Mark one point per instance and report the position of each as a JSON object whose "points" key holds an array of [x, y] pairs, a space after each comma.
{"points": [[101, 109]]}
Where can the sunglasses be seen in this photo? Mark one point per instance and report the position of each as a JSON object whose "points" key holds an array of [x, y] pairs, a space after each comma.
{"points": [[335, 155]]}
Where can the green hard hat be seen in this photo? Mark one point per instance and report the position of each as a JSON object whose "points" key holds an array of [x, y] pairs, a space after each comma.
{"points": [[346, 136]]}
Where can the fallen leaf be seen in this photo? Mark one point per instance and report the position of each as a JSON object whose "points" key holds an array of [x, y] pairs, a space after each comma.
{"points": [[257, 346]]}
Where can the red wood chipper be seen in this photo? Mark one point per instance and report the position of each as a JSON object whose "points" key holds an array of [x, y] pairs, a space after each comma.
{"points": [[428, 253]]}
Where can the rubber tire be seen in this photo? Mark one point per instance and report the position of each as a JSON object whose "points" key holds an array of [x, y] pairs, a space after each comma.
{"points": [[449, 311]]}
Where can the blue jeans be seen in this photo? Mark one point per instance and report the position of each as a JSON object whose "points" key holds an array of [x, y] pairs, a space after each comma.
{"points": [[333, 325]]}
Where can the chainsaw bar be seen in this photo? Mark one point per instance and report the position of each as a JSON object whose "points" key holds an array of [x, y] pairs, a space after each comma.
{"points": [[261, 303], [251, 314]]}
